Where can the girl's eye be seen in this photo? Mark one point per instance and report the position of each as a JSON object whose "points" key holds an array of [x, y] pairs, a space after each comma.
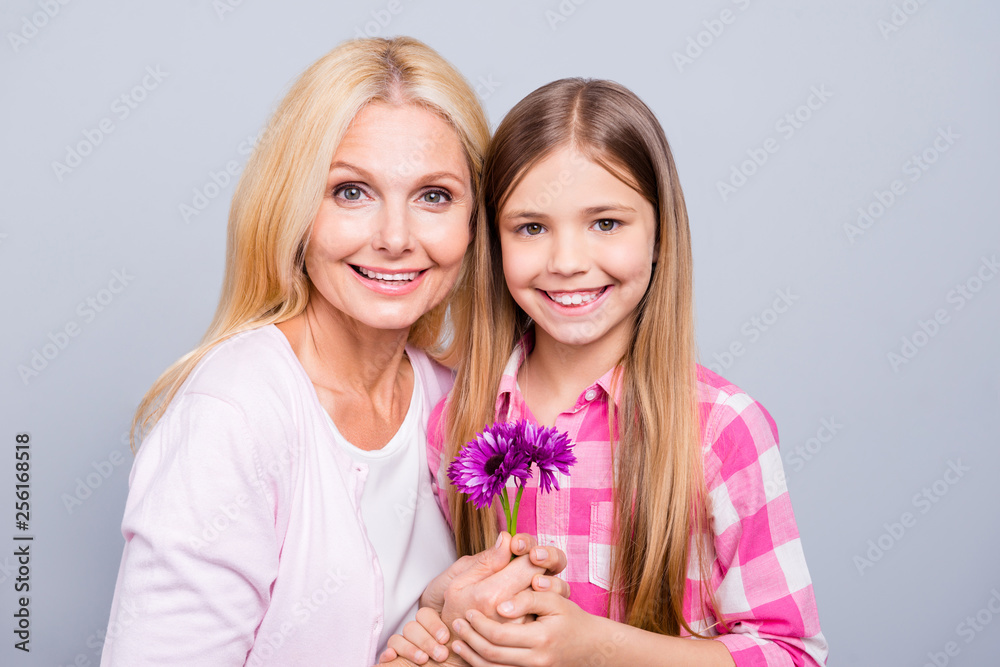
{"points": [[436, 197], [606, 225], [532, 229]]}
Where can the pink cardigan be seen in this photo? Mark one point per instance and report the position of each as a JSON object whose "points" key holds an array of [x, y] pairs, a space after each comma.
{"points": [[244, 542]]}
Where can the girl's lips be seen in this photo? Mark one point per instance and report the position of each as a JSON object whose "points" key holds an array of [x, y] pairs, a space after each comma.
{"points": [[576, 297], [394, 283], [589, 300]]}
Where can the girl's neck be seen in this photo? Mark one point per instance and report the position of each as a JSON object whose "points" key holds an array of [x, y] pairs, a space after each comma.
{"points": [[554, 374]]}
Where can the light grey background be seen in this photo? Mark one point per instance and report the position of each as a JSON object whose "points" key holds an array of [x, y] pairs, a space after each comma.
{"points": [[886, 93]]}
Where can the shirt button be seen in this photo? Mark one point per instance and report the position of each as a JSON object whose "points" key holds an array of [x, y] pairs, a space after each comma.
{"points": [[590, 395]]}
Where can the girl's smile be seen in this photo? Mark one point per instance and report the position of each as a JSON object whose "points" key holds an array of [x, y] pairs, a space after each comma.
{"points": [[578, 262]]}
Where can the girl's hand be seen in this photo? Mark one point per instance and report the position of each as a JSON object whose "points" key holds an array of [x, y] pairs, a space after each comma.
{"points": [[427, 637], [564, 634], [422, 639]]}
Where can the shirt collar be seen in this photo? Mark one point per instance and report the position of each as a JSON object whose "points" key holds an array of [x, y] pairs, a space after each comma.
{"points": [[509, 394]]}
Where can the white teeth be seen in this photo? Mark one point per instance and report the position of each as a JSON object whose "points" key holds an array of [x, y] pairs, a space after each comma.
{"points": [[399, 277], [575, 299]]}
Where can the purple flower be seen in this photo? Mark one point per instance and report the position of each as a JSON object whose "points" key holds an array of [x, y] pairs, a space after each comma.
{"points": [[549, 449], [484, 465], [508, 449]]}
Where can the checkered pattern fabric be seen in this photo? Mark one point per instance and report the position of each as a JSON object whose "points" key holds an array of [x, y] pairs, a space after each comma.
{"points": [[758, 571]]}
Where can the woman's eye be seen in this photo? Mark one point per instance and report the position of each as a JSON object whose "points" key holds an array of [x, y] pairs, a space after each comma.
{"points": [[532, 229], [349, 192], [606, 225], [435, 197]]}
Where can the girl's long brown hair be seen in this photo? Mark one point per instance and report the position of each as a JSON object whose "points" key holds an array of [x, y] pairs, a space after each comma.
{"points": [[660, 496]]}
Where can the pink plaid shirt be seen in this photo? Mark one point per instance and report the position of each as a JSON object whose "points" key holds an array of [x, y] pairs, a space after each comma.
{"points": [[758, 570]]}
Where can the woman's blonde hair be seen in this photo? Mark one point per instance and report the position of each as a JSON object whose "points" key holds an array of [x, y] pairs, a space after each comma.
{"points": [[660, 496], [282, 186]]}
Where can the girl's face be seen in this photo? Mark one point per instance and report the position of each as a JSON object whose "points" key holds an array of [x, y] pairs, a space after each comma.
{"points": [[391, 232], [578, 249]]}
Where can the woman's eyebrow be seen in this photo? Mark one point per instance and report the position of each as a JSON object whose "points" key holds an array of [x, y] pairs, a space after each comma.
{"points": [[367, 175], [350, 167], [438, 175]]}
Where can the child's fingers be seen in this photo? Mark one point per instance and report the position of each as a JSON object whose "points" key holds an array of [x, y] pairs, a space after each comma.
{"points": [[388, 655], [492, 642], [465, 652], [531, 602], [416, 634], [546, 584], [406, 648], [431, 621], [551, 559]]}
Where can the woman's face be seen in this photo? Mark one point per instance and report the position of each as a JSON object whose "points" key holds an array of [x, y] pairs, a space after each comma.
{"points": [[388, 241]]}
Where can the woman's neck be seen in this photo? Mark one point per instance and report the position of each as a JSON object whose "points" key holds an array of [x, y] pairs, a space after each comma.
{"points": [[360, 374]]}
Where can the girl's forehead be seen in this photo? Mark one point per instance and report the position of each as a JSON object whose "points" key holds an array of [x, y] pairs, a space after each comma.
{"points": [[569, 171]]}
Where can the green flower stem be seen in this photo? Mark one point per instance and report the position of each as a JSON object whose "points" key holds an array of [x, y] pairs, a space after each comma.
{"points": [[505, 503], [512, 522]]}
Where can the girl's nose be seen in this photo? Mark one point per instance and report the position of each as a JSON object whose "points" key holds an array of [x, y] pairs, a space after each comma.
{"points": [[568, 254], [394, 229]]}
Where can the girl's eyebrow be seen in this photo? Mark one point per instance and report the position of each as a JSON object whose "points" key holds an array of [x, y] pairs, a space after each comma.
{"points": [[587, 212], [604, 208]]}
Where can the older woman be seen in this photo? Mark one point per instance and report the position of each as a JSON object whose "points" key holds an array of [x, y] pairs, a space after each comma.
{"points": [[279, 509]]}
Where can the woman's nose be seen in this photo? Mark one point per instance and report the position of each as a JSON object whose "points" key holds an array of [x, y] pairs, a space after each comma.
{"points": [[394, 229]]}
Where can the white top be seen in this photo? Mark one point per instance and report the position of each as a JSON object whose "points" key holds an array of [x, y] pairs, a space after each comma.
{"points": [[395, 522], [245, 541]]}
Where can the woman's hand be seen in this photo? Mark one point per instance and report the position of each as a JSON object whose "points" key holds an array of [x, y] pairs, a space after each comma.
{"points": [[564, 634], [492, 579], [427, 637], [488, 562]]}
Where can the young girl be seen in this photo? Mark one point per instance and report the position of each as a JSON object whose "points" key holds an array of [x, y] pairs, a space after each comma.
{"points": [[676, 520]]}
